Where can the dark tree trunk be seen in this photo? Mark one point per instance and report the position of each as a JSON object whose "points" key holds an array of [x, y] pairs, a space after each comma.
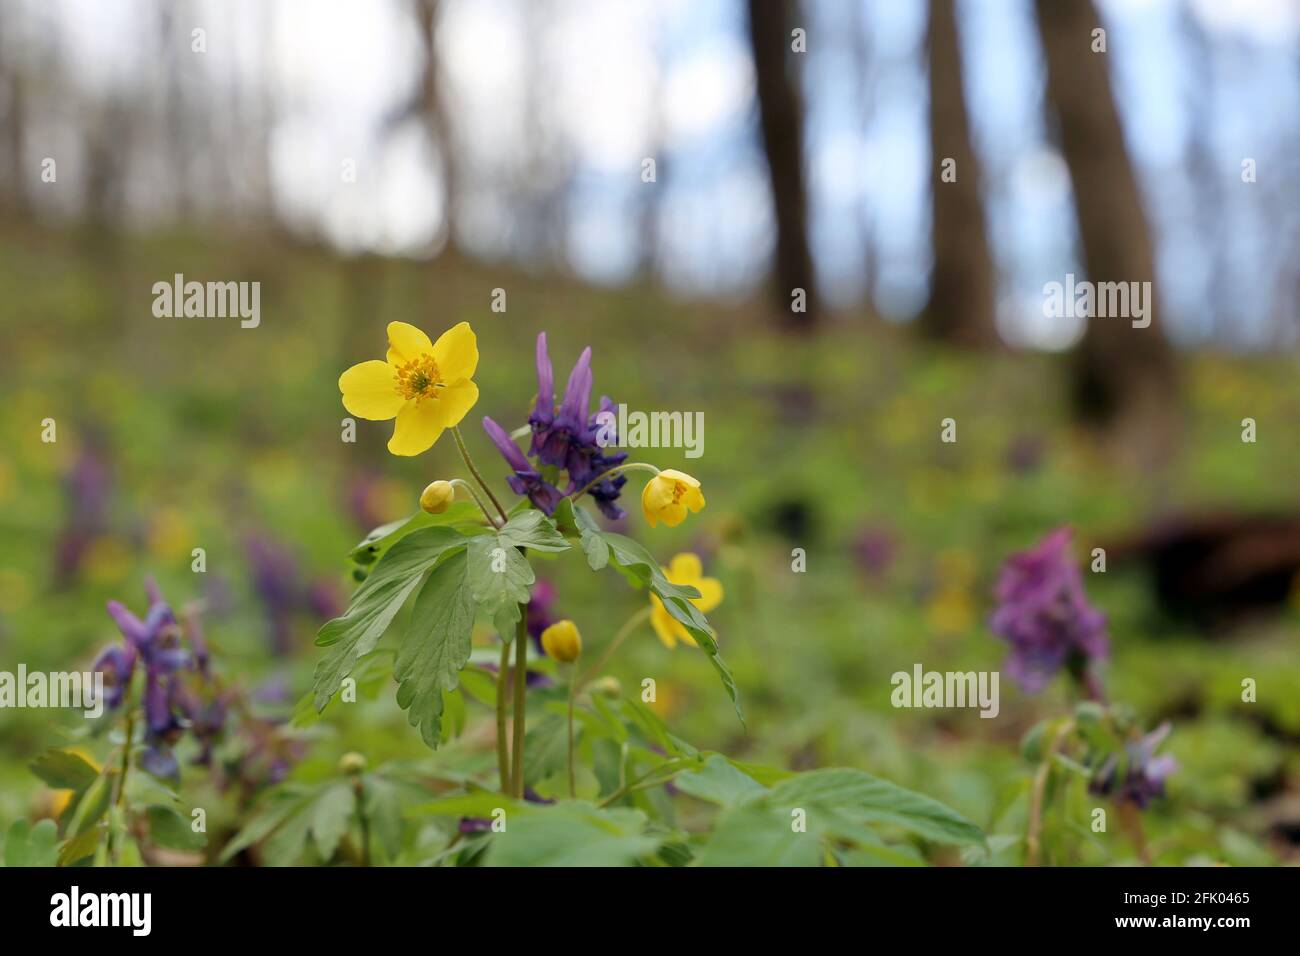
{"points": [[1122, 373], [963, 289], [781, 114]]}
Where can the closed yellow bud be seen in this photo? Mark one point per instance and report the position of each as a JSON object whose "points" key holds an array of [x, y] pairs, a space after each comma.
{"points": [[607, 686], [437, 497], [352, 764], [562, 641]]}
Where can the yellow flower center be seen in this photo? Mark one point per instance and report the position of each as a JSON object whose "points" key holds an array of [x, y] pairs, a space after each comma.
{"points": [[679, 489], [419, 378]]}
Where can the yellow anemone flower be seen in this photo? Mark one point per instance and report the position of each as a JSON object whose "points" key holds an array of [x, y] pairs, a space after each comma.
{"points": [[562, 641], [684, 569], [668, 495], [425, 385]]}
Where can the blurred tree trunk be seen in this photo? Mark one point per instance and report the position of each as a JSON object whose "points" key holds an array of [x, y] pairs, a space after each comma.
{"points": [[434, 115], [781, 115], [1123, 376], [963, 288]]}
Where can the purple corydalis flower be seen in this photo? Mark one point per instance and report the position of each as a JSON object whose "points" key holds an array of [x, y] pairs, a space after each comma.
{"points": [[1145, 775], [1045, 616], [874, 550], [117, 664], [561, 438], [525, 480]]}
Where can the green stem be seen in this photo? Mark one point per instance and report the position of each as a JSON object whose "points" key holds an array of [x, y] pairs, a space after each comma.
{"points": [[469, 463], [573, 686], [125, 767], [520, 712], [360, 790], [626, 466], [462, 483], [628, 627], [503, 744]]}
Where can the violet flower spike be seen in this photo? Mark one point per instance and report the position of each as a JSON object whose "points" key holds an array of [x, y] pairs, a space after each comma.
{"points": [[526, 480]]}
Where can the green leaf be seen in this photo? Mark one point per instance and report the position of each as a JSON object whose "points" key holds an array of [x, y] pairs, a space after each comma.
{"points": [[860, 797], [720, 782], [383, 808], [758, 834], [499, 581], [532, 529], [376, 602], [572, 519], [168, 828], [91, 807], [436, 646], [640, 567], [64, 770], [27, 845], [80, 847], [463, 515], [545, 748], [573, 834], [330, 814], [265, 821]]}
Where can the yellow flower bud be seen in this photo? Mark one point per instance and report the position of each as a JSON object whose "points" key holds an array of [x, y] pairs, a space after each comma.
{"points": [[607, 686], [668, 496], [562, 641], [352, 764], [437, 497]]}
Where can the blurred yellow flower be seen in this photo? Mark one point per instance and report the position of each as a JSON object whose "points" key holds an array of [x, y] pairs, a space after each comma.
{"points": [[684, 569], [425, 385], [562, 641], [668, 495]]}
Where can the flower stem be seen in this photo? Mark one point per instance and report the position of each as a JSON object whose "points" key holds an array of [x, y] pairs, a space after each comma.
{"points": [[503, 743], [360, 790], [462, 483], [469, 463], [1033, 838], [129, 729], [626, 466], [573, 687], [628, 627], [520, 712]]}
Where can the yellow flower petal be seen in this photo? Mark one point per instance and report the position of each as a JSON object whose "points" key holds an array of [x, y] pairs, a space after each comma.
{"points": [[675, 475], [710, 594], [666, 629], [369, 391], [406, 342], [685, 568], [454, 401], [456, 352], [418, 426], [693, 498]]}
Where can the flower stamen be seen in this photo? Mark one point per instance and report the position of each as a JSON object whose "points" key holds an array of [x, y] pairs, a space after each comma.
{"points": [[419, 378]]}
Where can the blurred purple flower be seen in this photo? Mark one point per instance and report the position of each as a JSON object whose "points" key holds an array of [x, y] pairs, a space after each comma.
{"points": [[1045, 616], [525, 480], [277, 581], [540, 611], [1145, 773], [86, 490], [1025, 454], [874, 550]]}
